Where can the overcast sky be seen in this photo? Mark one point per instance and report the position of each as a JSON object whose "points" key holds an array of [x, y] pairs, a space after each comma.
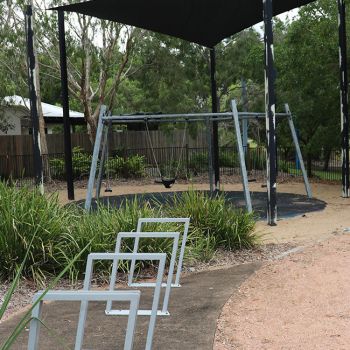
{"points": [[283, 17]]}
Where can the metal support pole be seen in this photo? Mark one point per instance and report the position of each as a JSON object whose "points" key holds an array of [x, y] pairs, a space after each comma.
{"points": [[298, 151], [344, 96], [102, 160], [240, 150], [270, 103], [215, 109], [95, 156], [38, 165], [65, 106]]}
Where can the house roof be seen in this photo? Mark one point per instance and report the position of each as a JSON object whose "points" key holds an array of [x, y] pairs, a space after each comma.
{"points": [[49, 111], [205, 22]]}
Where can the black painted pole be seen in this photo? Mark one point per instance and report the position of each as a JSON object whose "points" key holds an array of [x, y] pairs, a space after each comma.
{"points": [[344, 94], [215, 109], [38, 165], [65, 106], [270, 103]]}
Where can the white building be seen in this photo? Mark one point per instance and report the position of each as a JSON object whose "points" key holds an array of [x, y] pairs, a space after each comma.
{"points": [[16, 110]]}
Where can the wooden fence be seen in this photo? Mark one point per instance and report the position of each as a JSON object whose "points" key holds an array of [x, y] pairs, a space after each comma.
{"points": [[21, 145]]}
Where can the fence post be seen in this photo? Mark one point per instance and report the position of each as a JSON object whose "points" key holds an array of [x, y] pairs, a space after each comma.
{"points": [[187, 162]]}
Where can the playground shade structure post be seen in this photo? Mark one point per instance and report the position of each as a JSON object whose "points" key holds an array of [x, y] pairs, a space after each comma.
{"points": [[68, 161], [344, 97], [270, 105]]}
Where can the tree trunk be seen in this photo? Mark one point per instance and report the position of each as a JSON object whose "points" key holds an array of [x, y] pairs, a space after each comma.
{"points": [[43, 141]]}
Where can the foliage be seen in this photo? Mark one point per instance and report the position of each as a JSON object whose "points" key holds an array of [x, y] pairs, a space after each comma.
{"points": [[198, 162], [212, 217], [81, 164], [133, 166], [29, 221], [55, 235], [308, 79], [26, 318], [227, 158]]}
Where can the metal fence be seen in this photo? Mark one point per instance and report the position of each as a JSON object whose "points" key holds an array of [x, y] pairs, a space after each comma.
{"points": [[185, 162]]}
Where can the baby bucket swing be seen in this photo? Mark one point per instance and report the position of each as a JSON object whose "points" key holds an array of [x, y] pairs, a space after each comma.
{"points": [[167, 181]]}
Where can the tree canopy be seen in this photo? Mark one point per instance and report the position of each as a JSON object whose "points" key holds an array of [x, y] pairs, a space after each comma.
{"points": [[132, 70]]}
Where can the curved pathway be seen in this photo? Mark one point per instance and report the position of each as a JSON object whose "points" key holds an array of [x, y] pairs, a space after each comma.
{"points": [[194, 309]]}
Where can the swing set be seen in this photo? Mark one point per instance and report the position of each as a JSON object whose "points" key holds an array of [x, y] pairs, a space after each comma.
{"points": [[106, 121], [167, 180]]}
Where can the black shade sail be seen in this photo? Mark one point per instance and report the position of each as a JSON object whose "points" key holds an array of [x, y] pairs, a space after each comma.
{"points": [[205, 22]]}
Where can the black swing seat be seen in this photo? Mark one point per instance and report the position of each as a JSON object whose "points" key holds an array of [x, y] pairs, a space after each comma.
{"points": [[168, 183]]}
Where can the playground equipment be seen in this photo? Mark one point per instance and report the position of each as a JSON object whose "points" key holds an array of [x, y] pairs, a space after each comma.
{"points": [[207, 23], [167, 181], [105, 121]]}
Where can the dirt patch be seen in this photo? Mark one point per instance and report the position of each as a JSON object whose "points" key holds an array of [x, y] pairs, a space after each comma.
{"points": [[300, 302]]}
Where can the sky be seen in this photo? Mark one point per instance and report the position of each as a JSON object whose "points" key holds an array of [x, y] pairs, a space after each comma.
{"points": [[283, 17]]}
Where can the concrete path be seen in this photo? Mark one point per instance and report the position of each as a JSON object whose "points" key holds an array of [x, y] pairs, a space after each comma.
{"points": [[194, 309]]}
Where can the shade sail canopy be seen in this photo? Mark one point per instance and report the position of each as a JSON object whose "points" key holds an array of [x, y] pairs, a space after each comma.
{"points": [[205, 22]]}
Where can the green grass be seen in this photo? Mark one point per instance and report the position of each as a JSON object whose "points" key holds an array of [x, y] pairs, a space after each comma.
{"points": [[320, 174], [52, 236]]}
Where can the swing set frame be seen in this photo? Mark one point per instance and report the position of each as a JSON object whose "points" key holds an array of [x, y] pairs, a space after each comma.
{"points": [[106, 120]]}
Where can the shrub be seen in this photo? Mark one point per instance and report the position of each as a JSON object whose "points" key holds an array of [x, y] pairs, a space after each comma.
{"points": [[133, 166], [59, 234], [81, 165], [81, 162], [199, 162], [26, 215], [257, 159], [173, 168], [228, 159], [284, 166], [214, 218]]}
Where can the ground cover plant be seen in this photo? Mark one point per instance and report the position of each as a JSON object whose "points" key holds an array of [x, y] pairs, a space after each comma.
{"points": [[54, 235]]}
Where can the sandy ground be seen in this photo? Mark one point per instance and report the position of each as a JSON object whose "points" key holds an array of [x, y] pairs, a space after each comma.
{"points": [[300, 302]]}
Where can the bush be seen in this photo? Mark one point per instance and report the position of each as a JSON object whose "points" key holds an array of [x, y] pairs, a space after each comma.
{"points": [[23, 215], [228, 159], [215, 219], [257, 159], [61, 233], [81, 165], [199, 162], [131, 167], [284, 166]]}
